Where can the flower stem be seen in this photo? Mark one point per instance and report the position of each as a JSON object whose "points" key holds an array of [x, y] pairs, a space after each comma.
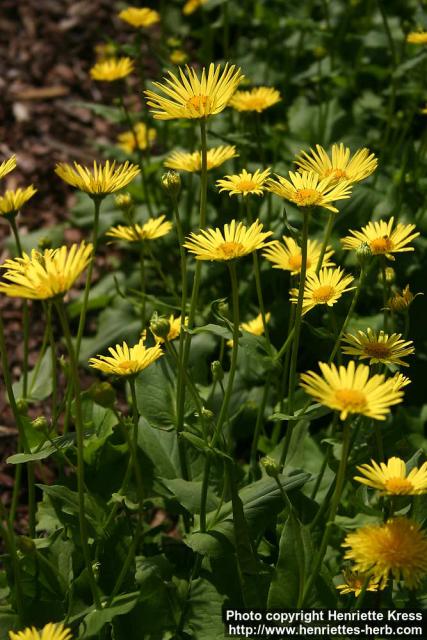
{"points": [[326, 239], [142, 275], [340, 481], [349, 314], [385, 293], [53, 361], [25, 313], [97, 207], [80, 449]]}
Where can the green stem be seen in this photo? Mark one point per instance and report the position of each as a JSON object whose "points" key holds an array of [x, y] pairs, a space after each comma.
{"points": [[349, 314], [297, 331], [74, 374], [53, 361], [9, 538], [142, 276], [258, 427], [340, 481], [97, 207], [326, 238], [25, 313], [385, 293]]}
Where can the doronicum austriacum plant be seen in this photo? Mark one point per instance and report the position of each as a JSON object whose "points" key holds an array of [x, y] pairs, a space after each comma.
{"points": [[232, 406]]}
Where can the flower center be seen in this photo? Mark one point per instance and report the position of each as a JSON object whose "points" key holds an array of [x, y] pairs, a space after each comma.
{"points": [[256, 103], [126, 365], [295, 262], [230, 250], [198, 103], [338, 174], [381, 245], [398, 485], [247, 185], [377, 350], [323, 294], [351, 399], [307, 197]]}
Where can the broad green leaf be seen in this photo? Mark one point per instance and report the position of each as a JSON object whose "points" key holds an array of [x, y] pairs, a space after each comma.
{"points": [[39, 380], [188, 494], [204, 619], [93, 621]]}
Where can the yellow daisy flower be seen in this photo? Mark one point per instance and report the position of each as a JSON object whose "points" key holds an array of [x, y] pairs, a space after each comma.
{"points": [[125, 360], [50, 631], [350, 390], [354, 582], [257, 99], [128, 141], [44, 275], [326, 287], [192, 5], [174, 329], [12, 201], [192, 162], [139, 16], [417, 37], [340, 166], [398, 547], [7, 166], [288, 256], [192, 97], [150, 230], [401, 300], [178, 56], [382, 238], [254, 326], [244, 183], [112, 69], [235, 241], [100, 180], [390, 477], [378, 347], [306, 189]]}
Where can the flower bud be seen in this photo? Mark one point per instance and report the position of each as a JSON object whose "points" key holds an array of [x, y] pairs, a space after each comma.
{"points": [[102, 393], [364, 254], [207, 413], [271, 467], [390, 274], [22, 405], [41, 424], [217, 370], [171, 183], [123, 201], [160, 326]]}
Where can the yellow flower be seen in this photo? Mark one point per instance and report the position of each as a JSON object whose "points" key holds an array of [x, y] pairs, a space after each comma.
{"points": [[340, 166], [129, 140], [254, 326], [258, 99], [326, 287], [382, 238], [351, 390], [354, 582], [7, 166], [192, 97], [112, 69], [191, 6], [400, 381], [244, 183], [234, 242], [391, 478], [192, 162], [13, 201], [306, 189], [101, 179], [378, 347], [139, 16], [178, 56], [125, 360], [174, 329], [417, 37], [47, 274], [50, 631], [150, 230], [398, 547], [401, 300], [288, 256]]}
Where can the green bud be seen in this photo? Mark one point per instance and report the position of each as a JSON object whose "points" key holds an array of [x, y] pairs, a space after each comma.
{"points": [[207, 413], [171, 183], [217, 370], [123, 201], [364, 254], [22, 405], [102, 393], [41, 424], [271, 467], [390, 274], [160, 326]]}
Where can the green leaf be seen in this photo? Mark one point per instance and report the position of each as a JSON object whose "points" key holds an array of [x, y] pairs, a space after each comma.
{"points": [[93, 621], [161, 447], [214, 329], [60, 442], [39, 381], [155, 393], [204, 619], [188, 494]]}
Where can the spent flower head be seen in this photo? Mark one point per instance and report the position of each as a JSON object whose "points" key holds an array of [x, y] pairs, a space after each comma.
{"points": [[355, 581]]}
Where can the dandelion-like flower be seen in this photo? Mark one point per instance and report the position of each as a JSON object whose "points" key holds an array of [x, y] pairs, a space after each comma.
{"points": [[354, 582], [189, 96], [401, 300], [50, 631], [192, 162], [257, 99], [398, 547], [235, 241], [288, 256], [306, 189], [13, 201], [378, 347], [244, 183], [192, 5], [100, 180], [44, 275], [391, 477], [139, 17], [140, 138], [112, 69], [382, 238], [326, 287], [254, 326], [7, 166], [174, 329], [417, 37], [150, 230], [340, 166], [127, 361], [350, 390]]}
